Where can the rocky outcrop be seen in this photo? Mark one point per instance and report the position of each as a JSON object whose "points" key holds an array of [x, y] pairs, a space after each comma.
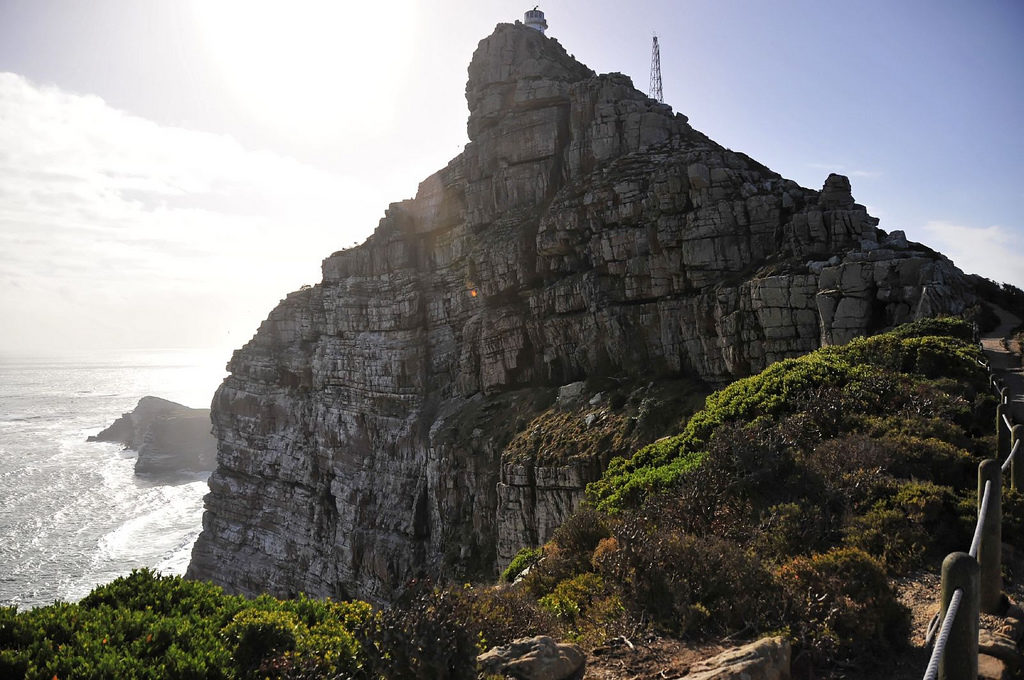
{"points": [[764, 659], [536, 658], [170, 438], [585, 232]]}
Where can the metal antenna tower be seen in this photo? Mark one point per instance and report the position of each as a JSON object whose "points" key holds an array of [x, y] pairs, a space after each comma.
{"points": [[655, 92]]}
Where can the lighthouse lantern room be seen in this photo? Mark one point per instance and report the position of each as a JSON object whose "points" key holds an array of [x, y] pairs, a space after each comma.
{"points": [[534, 18]]}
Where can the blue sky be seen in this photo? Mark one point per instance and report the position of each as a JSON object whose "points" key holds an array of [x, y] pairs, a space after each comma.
{"points": [[170, 169]]}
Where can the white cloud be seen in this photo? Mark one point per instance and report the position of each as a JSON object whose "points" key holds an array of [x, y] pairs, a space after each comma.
{"points": [[108, 222], [993, 252]]}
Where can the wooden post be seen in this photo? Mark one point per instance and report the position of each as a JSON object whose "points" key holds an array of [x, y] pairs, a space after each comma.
{"points": [[1002, 433], [959, 661], [1017, 466], [990, 548]]}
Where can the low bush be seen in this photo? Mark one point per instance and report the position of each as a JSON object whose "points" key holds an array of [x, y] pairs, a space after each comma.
{"points": [[149, 626], [523, 560], [422, 637], [885, 533], [580, 533], [499, 615], [927, 367], [255, 635], [917, 522], [789, 529], [840, 607], [571, 598], [1013, 513], [693, 586]]}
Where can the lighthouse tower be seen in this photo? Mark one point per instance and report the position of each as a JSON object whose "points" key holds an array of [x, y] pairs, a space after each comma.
{"points": [[535, 19]]}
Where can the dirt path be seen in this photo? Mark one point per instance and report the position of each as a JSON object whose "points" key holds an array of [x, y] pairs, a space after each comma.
{"points": [[1004, 355]]}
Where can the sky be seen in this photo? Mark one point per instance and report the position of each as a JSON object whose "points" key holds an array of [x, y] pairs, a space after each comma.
{"points": [[170, 169]]}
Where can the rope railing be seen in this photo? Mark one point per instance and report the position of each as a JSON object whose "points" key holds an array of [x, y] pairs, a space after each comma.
{"points": [[972, 581], [932, 671], [1013, 453], [982, 513]]}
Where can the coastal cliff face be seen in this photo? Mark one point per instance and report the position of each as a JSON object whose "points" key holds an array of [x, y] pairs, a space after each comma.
{"points": [[367, 433]]}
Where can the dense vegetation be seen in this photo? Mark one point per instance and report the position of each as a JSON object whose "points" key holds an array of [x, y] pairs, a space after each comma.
{"points": [[785, 505], [149, 626], [1004, 295]]}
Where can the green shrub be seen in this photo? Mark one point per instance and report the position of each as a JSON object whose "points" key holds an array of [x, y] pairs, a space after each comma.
{"points": [[886, 534], [690, 585], [557, 566], [570, 599], [524, 559], [863, 377], [580, 533], [326, 650], [255, 635], [144, 589], [569, 552], [948, 326], [499, 615], [1013, 513], [422, 637], [840, 607], [789, 529], [149, 626], [917, 522]]}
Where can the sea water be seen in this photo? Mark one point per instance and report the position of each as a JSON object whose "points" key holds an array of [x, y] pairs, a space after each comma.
{"points": [[73, 514]]}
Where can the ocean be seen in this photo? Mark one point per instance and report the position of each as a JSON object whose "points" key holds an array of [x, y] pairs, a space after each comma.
{"points": [[74, 514]]}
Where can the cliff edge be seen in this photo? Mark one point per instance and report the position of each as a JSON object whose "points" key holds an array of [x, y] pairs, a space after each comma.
{"points": [[585, 233]]}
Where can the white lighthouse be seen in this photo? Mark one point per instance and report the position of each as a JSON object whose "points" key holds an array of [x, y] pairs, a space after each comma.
{"points": [[534, 18]]}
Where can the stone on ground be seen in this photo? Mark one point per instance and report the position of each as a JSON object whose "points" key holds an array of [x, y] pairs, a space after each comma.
{"points": [[765, 659], [536, 658]]}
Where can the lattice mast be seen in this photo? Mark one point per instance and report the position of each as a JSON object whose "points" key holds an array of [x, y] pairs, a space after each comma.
{"points": [[655, 91]]}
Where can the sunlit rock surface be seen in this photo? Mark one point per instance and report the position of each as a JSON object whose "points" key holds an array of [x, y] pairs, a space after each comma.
{"points": [[585, 231]]}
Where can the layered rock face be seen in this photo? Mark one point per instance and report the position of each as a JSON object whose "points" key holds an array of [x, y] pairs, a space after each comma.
{"points": [[585, 231]]}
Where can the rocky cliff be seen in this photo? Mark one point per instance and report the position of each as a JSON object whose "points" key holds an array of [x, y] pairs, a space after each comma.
{"points": [[169, 437], [372, 430]]}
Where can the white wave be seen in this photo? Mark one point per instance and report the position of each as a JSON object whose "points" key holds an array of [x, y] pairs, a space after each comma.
{"points": [[73, 514]]}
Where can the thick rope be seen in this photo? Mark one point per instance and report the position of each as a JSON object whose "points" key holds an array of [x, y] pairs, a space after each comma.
{"points": [[932, 672], [981, 519], [1009, 459]]}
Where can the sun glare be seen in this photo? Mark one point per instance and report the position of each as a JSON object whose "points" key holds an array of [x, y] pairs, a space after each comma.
{"points": [[313, 69]]}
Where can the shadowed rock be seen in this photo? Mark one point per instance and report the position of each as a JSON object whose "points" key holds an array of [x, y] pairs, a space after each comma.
{"points": [[169, 437], [536, 658]]}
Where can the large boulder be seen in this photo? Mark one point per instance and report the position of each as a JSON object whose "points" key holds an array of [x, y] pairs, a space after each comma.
{"points": [[536, 658]]}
